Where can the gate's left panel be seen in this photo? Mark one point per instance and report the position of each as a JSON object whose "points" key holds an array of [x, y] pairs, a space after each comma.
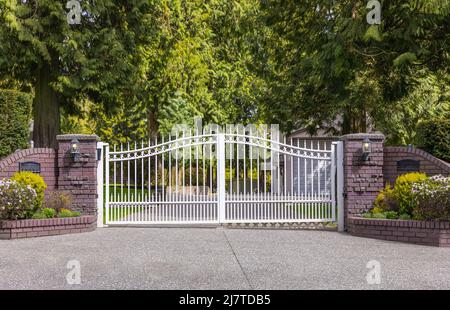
{"points": [[162, 182]]}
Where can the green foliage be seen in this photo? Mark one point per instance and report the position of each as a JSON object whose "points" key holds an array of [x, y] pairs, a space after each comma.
{"points": [[48, 213], [386, 201], [367, 215], [45, 213], [133, 68], [198, 63], [427, 99], [391, 215], [404, 217], [126, 124], [379, 215], [376, 210], [195, 59], [434, 137], [36, 182], [79, 122], [67, 63], [408, 178], [68, 213], [372, 33], [17, 200], [322, 60], [433, 198], [15, 114], [415, 196], [39, 215], [405, 59], [403, 191]]}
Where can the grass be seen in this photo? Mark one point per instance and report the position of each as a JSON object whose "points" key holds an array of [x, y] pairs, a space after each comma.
{"points": [[129, 195], [125, 193]]}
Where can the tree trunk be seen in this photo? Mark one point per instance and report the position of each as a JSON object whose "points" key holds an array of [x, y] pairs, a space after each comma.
{"points": [[45, 110], [346, 123], [354, 122], [152, 123]]}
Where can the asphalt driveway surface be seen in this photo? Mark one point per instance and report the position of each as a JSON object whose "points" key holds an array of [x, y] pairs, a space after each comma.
{"points": [[218, 258]]}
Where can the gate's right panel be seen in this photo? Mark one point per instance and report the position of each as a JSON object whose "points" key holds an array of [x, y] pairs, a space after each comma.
{"points": [[272, 181]]}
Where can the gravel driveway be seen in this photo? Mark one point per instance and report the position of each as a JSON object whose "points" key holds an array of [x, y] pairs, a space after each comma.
{"points": [[218, 258]]}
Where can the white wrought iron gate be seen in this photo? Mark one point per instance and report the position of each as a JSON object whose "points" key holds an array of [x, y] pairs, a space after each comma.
{"points": [[218, 178]]}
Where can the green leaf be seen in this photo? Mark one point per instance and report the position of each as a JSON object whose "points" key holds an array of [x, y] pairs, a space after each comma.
{"points": [[404, 59], [372, 33]]}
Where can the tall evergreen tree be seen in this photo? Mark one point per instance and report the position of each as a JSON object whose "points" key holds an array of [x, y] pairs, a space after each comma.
{"points": [[327, 61], [67, 62]]}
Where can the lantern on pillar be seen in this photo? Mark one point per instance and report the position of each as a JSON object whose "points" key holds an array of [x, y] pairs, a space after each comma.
{"points": [[366, 148]]}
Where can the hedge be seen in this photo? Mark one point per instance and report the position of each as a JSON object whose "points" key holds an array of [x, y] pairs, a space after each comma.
{"points": [[434, 137], [15, 115]]}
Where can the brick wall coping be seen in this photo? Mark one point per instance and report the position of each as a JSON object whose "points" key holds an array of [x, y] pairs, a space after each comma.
{"points": [[412, 150], [78, 137], [46, 227], [19, 154], [84, 219], [399, 223], [360, 136]]}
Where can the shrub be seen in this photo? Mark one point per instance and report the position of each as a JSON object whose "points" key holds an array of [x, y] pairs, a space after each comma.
{"points": [[367, 215], [68, 213], [36, 182], [376, 210], [434, 137], [432, 198], [58, 200], [14, 120], [404, 217], [38, 216], [379, 216], [415, 196], [392, 215], [49, 213], [386, 200], [403, 193], [17, 200]]}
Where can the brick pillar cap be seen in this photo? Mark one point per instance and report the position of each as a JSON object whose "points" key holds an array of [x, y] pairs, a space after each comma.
{"points": [[361, 136], [70, 137]]}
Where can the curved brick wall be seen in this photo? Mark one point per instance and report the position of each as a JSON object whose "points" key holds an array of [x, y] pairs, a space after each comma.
{"points": [[45, 156], [61, 172], [46, 227], [419, 232], [428, 163]]}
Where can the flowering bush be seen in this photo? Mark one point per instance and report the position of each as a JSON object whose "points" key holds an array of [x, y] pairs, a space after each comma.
{"points": [[414, 196], [17, 200], [403, 191], [36, 182], [432, 198]]}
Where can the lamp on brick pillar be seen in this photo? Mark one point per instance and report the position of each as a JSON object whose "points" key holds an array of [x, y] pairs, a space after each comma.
{"points": [[363, 179], [77, 170], [366, 148], [75, 149]]}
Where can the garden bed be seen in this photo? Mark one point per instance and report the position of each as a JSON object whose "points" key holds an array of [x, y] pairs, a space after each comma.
{"points": [[434, 233], [46, 227]]}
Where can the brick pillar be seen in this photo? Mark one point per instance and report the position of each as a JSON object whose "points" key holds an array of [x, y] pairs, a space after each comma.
{"points": [[362, 179], [79, 178]]}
